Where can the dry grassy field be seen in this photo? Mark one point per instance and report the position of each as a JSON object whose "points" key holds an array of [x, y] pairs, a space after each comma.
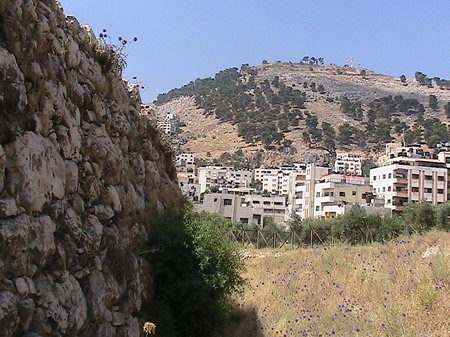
{"points": [[397, 289]]}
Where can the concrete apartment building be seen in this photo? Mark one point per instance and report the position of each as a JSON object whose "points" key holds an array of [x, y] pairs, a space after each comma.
{"points": [[249, 209], [220, 176], [184, 159], [335, 191], [348, 163], [405, 179]]}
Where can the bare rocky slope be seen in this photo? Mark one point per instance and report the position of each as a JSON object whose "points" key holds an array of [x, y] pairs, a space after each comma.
{"points": [[205, 133], [79, 164]]}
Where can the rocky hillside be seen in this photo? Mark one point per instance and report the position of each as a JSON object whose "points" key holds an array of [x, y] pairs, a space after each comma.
{"points": [[78, 164], [304, 110]]}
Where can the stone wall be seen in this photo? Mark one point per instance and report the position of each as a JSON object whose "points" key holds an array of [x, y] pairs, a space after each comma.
{"points": [[79, 163]]}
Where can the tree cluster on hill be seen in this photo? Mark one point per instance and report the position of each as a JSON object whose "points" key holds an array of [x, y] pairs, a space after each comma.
{"points": [[353, 109], [316, 137], [262, 110], [312, 60], [426, 81]]}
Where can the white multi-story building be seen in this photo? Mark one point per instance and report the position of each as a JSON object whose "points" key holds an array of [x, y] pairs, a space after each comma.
{"points": [[169, 125], [278, 181], [220, 176], [348, 163], [406, 179], [184, 159]]}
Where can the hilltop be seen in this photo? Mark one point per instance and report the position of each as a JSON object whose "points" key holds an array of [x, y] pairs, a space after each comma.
{"points": [[306, 111]]}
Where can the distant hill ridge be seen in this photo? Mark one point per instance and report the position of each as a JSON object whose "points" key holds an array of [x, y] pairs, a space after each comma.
{"points": [[295, 108]]}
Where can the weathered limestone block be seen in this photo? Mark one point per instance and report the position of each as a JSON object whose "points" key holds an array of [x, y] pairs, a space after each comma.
{"points": [[138, 165], [12, 85], [112, 199], [99, 107], [103, 212], [8, 313], [72, 54], [152, 174], [63, 302], [25, 286], [71, 297], [129, 197], [92, 188], [36, 171], [87, 234], [30, 243], [8, 208], [119, 123], [69, 136], [99, 147], [71, 177]]}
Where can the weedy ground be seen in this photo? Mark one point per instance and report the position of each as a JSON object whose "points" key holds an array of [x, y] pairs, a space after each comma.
{"points": [[401, 288]]}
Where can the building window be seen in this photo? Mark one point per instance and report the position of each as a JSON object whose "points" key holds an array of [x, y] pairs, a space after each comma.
{"points": [[440, 191], [415, 176], [389, 188], [384, 189], [317, 208], [318, 194], [384, 176], [227, 202], [428, 177], [390, 175], [415, 189], [243, 220], [353, 192], [215, 199], [374, 177], [342, 194], [389, 201], [255, 202], [428, 190], [440, 178], [266, 202]]}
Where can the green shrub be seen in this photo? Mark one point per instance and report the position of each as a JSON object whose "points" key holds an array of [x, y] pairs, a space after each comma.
{"points": [[194, 270], [420, 216]]}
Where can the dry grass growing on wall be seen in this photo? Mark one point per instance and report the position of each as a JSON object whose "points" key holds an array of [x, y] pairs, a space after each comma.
{"points": [[396, 289]]}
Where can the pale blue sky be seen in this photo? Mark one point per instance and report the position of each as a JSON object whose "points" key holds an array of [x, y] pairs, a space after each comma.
{"points": [[180, 41]]}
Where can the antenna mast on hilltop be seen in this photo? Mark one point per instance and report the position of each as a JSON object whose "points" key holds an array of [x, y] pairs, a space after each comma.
{"points": [[351, 62]]}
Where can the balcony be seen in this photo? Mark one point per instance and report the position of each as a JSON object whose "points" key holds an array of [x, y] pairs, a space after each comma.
{"points": [[400, 180], [401, 176], [327, 198], [401, 192]]}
